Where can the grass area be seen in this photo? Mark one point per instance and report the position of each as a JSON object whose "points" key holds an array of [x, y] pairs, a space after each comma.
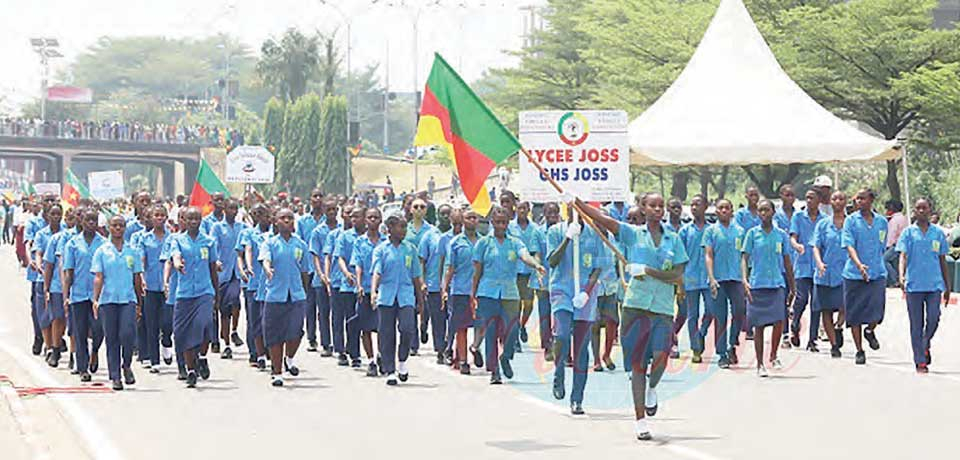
{"points": [[375, 171]]}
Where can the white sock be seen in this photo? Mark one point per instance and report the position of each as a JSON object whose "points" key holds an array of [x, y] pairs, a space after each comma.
{"points": [[402, 367], [289, 361]]}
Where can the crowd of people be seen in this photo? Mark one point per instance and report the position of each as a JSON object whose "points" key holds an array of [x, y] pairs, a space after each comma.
{"points": [[370, 290], [165, 133]]}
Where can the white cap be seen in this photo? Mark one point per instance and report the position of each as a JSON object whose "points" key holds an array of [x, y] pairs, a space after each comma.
{"points": [[823, 181]]}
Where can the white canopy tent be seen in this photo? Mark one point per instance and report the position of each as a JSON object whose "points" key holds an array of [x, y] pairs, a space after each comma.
{"points": [[733, 104]]}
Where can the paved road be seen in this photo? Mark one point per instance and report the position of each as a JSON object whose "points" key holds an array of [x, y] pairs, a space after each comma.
{"points": [[816, 408]]}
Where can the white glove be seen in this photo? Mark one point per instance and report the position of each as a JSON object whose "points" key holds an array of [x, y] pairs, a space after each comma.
{"points": [[636, 270], [580, 300], [567, 197], [573, 230]]}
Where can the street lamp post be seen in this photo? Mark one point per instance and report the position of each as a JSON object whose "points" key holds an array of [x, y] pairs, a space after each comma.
{"points": [[46, 48], [348, 21]]}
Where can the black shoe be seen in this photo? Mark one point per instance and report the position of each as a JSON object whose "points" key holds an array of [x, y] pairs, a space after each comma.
{"points": [[312, 347], [94, 363], [724, 362], [380, 365], [464, 368], [414, 352], [812, 347], [261, 364], [495, 379], [326, 353], [449, 358], [372, 370], [182, 374], [117, 385], [795, 340], [559, 391], [85, 377], [697, 358], [276, 380], [342, 360], [734, 360], [861, 357], [598, 367], [750, 334], [505, 366], [155, 369], [477, 357], [191, 379], [128, 377], [403, 377], [441, 360], [523, 335], [576, 408], [871, 337], [203, 368], [73, 365], [926, 354], [215, 347], [37, 346], [235, 338], [518, 347], [839, 333], [423, 335], [355, 363], [54, 359], [63, 347], [835, 352], [293, 370], [227, 353]]}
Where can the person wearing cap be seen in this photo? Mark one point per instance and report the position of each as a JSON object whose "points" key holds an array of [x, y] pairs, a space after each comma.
{"points": [[824, 187]]}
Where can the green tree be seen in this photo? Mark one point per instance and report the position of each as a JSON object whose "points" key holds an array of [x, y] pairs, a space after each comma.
{"points": [[332, 156], [273, 125], [297, 167], [288, 65]]}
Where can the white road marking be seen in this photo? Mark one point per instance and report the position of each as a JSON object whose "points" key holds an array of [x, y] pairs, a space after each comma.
{"points": [[97, 442], [24, 422]]}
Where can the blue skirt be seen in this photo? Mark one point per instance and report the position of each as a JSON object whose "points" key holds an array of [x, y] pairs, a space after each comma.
{"points": [[461, 314], [192, 322], [767, 307], [53, 311], [367, 319], [865, 302], [282, 321], [230, 293], [826, 298]]}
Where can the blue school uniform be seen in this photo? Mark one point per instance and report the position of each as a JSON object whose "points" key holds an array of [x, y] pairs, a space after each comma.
{"points": [[414, 237], [77, 256], [618, 214], [539, 247], [343, 249], [803, 226], [397, 265], [460, 257], [499, 262], [746, 219], [562, 288], [289, 258], [431, 250], [316, 242], [527, 235], [695, 272], [53, 255], [330, 243], [869, 241], [766, 251], [152, 246], [118, 268], [197, 253], [826, 238], [648, 293], [133, 226], [173, 281], [362, 257], [305, 226], [923, 250], [726, 242], [208, 221], [33, 225], [225, 236]]}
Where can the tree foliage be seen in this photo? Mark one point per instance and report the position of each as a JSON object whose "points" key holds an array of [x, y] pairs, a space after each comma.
{"points": [[288, 64], [296, 163], [273, 125], [332, 155]]}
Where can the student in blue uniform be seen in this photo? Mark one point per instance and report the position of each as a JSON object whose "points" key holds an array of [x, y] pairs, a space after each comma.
{"points": [[345, 302], [551, 217], [321, 279], [52, 268], [394, 288], [225, 235], [923, 273], [171, 282], [695, 281], [526, 230], [151, 244], [748, 216], [34, 225], [617, 210], [140, 220], [118, 277], [431, 257], [722, 243], [768, 283], [286, 263], [78, 286], [248, 246], [573, 302], [456, 228], [673, 222], [656, 262], [336, 280], [417, 229], [194, 255], [801, 231], [830, 258], [218, 200], [494, 291], [306, 224], [864, 275], [361, 327], [456, 286], [52, 306], [782, 219]]}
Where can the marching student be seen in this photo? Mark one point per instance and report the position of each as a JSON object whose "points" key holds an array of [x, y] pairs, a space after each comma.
{"points": [[864, 274], [51, 316], [335, 279], [924, 275], [53, 283], [34, 276], [695, 280], [656, 262], [151, 244], [78, 287], [431, 252], [608, 292], [722, 243], [574, 306], [456, 228], [456, 286], [225, 234], [171, 279], [321, 279], [306, 224], [522, 228], [617, 210], [494, 291], [194, 255], [285, 264], [248, 245], [767, 270], [551, 216], [748, 216], [802, 226], [830, 259], [362, 326], [417, 229], [674, 213], [394, 288], [345, 303], [782, 218]]}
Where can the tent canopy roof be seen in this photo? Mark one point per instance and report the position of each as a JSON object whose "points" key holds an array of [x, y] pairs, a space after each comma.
{"points": [[734, 104]]}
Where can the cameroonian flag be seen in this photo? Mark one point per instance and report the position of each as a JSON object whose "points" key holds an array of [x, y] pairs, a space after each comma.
{"points": [[206, 185], [453, 117], [73, 190]]}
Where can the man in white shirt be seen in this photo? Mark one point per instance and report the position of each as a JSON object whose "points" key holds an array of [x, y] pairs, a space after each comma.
{"points": [[896, 224], [824, 187]]}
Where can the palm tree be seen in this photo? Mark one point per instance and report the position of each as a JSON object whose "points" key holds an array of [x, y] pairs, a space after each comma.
{"points": [[289, 64]]}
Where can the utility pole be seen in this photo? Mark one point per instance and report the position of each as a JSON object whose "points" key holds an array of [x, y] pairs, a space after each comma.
{"points": [[416, 98], [350, 98], [386, 105], [46, 48]]}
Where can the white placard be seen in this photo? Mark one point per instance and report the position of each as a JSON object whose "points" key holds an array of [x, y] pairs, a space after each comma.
{"points": [[106, 185], [47, 188], [250, 164], [587, 152]]}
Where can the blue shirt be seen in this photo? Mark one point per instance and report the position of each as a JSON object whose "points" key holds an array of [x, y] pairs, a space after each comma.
{"points": [[460, 257], [766, 252], [726, 242], [206, 225], [77, 255], [318, 238], [746, 219], [397, 266], [253, 237], [225, 236], [198, 254], [363, 257], [540, 246], [343, 250], [133, 226], [826, 238], [30, 229], [648, 293], [53, 255], [305, 226], [329, 244], [151, 247], [431, 250], [414, 237], [40, 242], [499, 262], [528, 236], [289, 259], [174, 280], [562, 288], [695, 272], [118, 269], [803, 264], [870, 243], [618, 214], [923, 252], [782, 221]]}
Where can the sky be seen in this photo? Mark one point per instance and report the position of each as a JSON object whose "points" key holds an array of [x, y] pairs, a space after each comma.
{"points": [[471, 34]]}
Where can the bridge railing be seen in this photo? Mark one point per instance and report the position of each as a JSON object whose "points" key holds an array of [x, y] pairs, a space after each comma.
{"points": [[157, 133]]}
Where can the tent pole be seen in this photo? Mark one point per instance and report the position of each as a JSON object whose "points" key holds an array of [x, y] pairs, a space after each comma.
{"points": [[836, 175], [906, 183]]}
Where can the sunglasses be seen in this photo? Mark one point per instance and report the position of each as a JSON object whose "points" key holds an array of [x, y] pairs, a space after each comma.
{"points": [[419, 206]]}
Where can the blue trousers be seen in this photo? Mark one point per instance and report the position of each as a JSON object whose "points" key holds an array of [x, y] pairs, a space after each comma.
{"points": [[166, 326], [310, 314], [565, 331], [323, 312], [438, 321], [353, 326], [119, 329], [392, 320], [923, 309], [800, 303], [690, 314], [729, 300], [253, 317], [543, 313], [151, 319], [891, 259], [342, 303], [85, 326], [501, 320], [36, 306]]}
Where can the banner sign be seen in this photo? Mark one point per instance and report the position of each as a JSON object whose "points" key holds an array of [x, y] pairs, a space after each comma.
{"points": [[587, 152], [250, 164], [106, 185], [69, 94], [47, 188]]}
